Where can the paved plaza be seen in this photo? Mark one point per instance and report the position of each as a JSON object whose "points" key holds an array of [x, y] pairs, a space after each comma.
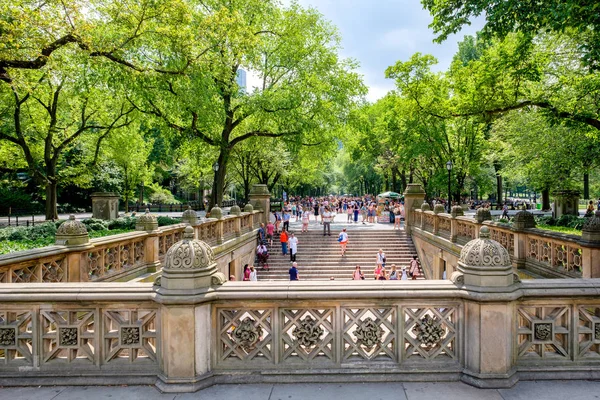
{"points": [[546, 390]]}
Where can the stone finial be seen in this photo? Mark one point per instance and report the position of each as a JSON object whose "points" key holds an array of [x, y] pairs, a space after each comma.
{"points": [[235, 210], [425, 206], [72, 233], [591, 229], [146, 222], [457, 211], [259, 189], [216, 212], [189, 216], [248, 208], [190, 264], [485, 262], [523, 220], [439, 209], [483, 214]]}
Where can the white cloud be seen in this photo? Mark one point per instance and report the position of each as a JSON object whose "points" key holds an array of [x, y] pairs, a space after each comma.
{"points": [[400, 39]]}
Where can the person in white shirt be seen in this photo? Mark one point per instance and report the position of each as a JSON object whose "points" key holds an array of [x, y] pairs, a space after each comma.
{"points": [[293, 245], [326, 222], [381, 258], [343, 239], [253, 276]]}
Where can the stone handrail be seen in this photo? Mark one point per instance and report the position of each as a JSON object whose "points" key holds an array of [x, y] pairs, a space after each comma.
{"points": [[544, 253], [116, 257], [115, 333]]}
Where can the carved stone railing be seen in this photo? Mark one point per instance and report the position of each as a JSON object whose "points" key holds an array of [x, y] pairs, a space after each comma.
{"points": [[121, 333], [118, 257], [543, 253]]}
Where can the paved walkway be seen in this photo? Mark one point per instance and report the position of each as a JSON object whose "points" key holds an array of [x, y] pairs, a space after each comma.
{"points": [[546, 390]]}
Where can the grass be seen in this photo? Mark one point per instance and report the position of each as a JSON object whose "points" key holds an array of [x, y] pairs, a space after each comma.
{"points": [[561, 229], [10, 246]]}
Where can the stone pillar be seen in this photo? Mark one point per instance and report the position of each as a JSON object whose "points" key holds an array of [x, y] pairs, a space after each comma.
{"points": [[590, 242], [236, 211], [484, 267], [522, 221], [566, 202], [217, 213], [190, 270], [74, 234], [147, 222], [457, 211], [260, 198], [105, 205], [413, 198]]}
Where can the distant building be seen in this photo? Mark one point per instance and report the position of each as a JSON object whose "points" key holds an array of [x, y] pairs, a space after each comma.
{"points": [[241, 80]]}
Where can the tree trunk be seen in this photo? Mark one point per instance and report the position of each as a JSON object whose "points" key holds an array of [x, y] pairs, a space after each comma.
{"points": [[51, 200], [403, 180], [586, 185], [545, 199], [216, 198]]}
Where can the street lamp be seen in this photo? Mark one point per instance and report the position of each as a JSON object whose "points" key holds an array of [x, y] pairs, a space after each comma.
{"points": [[215, 167], [449, 168]]}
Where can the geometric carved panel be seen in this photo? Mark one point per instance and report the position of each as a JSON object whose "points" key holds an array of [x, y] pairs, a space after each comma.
{"points": [[68, 336], [245, 335], [307, 334], [588, 332], [543, 332], [16, 337], [130, 336], [369, 334], [429, 332]]}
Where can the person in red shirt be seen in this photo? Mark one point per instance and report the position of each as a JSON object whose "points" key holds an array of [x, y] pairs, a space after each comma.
{"points": [[283, 238], [270, 231]]}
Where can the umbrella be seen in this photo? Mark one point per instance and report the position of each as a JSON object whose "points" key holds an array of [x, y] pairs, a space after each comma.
{"points": [[391, 195]]}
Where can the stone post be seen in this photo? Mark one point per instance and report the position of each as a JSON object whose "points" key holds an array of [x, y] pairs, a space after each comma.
{"points": [[413, 198], [522, 221], [260, 199], [236, 211], [217, 213], [590, 242], [147, 222], [566, 202], [457, 211], [105, 205], [438, 209], [73, 233], [424, 208], [189, 273], [484, 268]]}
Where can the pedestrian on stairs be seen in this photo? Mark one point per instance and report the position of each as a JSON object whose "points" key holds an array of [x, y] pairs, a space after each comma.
{"points": [[286, 220], [294, 272], [381, 258], [326, 222], [343, 239], [305, 220], [414, 268], [358, 275], [283, 238], [270, 231], [293, 244]]}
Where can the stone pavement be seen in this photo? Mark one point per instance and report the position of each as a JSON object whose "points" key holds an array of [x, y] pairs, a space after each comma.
{"points": [[525, 390]]}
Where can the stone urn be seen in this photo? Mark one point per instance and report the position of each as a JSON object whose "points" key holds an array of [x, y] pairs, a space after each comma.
{"points": [[425, 206], [216, 213], [457, 211], [483, 214], [523, 220], [146, 222], [189, 217], [72, 233], [235, 210], [439, 209], [591, 229]]}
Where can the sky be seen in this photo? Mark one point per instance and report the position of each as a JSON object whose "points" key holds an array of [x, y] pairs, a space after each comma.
{"points": [[378, 33]]}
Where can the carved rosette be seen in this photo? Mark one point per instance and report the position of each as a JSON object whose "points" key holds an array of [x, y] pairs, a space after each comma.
{"points": [[72, 233], [597, 331], [67, 337], [130, 336], [368, 333], [8, 337], [484, 252], [189, 216], [425, 206], [429, 331], [309, 333], [247, 333], [542, 332]]}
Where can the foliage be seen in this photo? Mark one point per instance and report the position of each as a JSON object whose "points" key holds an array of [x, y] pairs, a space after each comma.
{"points": [[160, 195], [566, 221], [40, 231], [164, 221]]}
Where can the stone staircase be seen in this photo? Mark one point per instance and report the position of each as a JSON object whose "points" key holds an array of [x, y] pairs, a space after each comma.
{"points": [[319, 257]]}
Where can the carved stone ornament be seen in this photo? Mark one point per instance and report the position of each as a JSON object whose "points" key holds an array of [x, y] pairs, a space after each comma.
{"points": [[67, 336], [457, 211], [247, 334], [259, 189], [516, 278], [216, 212], [235, 210], [130, 335], [157, 281], [592, 224], [8, 337], [189, 216], [189, 253], [458, 278], [542, 331], [71, 227], [218, 278], [484, 252], [429, 331], [146, 222], [309, 333], [524, 220], [425, 206], [439, 208], [597, 331], [248, 208], [368, 333], [483, 214]]}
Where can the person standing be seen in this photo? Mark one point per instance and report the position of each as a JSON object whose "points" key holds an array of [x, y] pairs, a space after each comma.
{"points": [[343, 239], [305, 220], [404, 275], [397, 216], [294, 276], [270, 231], [286, 220], [326, 222], [293, 244], [261, 234], [283, 238], [414, 268], [277, 221], [246, 273], [253, 276], [356, 210], [381, 258], [316, 211]]}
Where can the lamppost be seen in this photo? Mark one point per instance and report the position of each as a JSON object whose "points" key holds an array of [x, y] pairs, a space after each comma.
{"points": [[215, 168], [449, 168]]}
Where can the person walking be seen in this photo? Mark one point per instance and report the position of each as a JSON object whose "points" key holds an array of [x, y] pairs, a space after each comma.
{"points": [[283, 238], [357, 275], [350, 211], [293, 245], [414, 268], [270, 231], [253, 277], [316, 211], [343, 239], [277, 221], [356, 211], [305, 220], [381, 258], [294, 276], [326, 222], [286, 220], [397, 216]]}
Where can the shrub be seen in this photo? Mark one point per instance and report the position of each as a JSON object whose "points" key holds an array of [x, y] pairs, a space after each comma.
{"points": [[93, 224], [163, 221], [122, 223], [40, 231]]}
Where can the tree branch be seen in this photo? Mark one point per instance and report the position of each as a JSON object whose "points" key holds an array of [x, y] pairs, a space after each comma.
{"points": [[259, 134]]}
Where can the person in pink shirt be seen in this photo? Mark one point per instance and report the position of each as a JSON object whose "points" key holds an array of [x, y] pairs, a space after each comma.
{"points": [[270, 230]]}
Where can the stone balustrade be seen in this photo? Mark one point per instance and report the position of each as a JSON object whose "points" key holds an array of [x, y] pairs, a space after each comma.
{"points": [[541, 252], [121, 257]]}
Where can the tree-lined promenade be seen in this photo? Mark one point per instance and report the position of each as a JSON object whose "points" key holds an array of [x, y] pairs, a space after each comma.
{"points": [[147, 99]]}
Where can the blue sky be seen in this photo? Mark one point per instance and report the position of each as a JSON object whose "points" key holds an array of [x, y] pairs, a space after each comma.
{"points": [[377, 33]]}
